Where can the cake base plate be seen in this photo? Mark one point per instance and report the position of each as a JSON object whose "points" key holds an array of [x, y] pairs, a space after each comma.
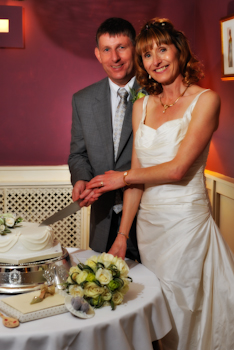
{"points": [[12, 258], [27, 277]]}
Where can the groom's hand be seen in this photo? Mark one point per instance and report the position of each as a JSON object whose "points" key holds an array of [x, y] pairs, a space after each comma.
{"points": [[78, 188], [80, 192], [87, 196]]}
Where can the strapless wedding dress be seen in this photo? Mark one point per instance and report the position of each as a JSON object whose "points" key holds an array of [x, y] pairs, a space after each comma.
{"points": [[179, 241]]}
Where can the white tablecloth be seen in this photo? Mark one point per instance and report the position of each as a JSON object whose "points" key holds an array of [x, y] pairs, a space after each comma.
{"points": [[141, 319]]}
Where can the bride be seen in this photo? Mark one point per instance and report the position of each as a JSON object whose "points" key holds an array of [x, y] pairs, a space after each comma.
{"points": [[177, 237]]}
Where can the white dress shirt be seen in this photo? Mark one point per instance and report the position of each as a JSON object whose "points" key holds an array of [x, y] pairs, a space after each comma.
{"points": [[115, 98]]}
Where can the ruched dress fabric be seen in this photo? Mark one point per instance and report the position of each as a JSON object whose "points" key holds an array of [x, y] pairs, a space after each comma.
{"points": [[179, 241]]}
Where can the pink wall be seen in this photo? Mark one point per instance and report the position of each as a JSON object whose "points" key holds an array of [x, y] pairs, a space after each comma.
{"points": [[208, 48], [37, 82]]}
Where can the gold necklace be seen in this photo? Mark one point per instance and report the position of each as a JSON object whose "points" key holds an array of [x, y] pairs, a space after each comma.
{"points": [[167, 106]]}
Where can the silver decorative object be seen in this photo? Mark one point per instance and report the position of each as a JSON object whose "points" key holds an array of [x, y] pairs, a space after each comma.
{"points": [[49, 275], [29, 276], [15, 277]]}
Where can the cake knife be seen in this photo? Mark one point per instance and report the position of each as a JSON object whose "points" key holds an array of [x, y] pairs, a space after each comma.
{"points": [[63, 213]]}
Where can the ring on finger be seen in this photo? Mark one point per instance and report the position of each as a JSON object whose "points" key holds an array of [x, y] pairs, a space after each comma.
{"points": [[102, 184]]}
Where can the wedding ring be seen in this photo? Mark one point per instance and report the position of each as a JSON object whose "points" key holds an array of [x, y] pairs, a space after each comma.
{"points": [[102, 184]]}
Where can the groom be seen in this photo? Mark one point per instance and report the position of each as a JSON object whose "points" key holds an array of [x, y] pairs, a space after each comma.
{"points": [[92, 146]]}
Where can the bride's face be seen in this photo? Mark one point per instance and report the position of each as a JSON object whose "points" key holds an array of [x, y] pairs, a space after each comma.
{"points": [[162, 63]]}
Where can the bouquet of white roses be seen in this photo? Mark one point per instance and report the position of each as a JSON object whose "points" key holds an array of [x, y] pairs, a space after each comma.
{"points": [[102, 279], [7, 221]]}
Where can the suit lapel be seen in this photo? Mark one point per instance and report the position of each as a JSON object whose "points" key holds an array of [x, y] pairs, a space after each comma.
{"points": [[127, 124], [102, 112]]}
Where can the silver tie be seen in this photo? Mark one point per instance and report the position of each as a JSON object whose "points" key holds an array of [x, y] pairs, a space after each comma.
{"points": [[119, 117], [117, 128]]}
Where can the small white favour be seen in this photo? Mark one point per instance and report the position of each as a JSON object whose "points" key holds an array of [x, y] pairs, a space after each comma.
{"points": [[89, 314]]}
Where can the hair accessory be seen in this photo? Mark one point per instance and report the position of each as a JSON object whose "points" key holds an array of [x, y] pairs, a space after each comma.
{"points": [[172, 104], [124, 175], [123, 234], [161, 25]]}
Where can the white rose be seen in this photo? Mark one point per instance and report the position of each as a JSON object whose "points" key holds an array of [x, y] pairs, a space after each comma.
{"points": [[122, 267], [2, 228], [115, 260], [124, 289], [10, 222], [100, 258], [106, 259], [92, 263], [74, 272], [104, 276], [92, 290], [81, 277], [126, 281], [69, 280], [107, 295], [76, 291], [117, 298]]}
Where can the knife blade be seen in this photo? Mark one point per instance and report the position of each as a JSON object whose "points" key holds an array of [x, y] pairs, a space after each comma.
{"points": [[63, 213]]}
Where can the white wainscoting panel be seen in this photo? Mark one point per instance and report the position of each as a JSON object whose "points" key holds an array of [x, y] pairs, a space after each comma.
{"points": [[221, 193], [37, 192]]}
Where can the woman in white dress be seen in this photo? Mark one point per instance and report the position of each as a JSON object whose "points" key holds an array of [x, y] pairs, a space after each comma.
{"points": [[177, 237]]}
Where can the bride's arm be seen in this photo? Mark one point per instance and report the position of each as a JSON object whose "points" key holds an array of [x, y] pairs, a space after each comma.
{"points": [[204, 122]]}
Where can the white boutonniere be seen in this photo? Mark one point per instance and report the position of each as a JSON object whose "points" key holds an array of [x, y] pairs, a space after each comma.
{"points": [[136, 94]]}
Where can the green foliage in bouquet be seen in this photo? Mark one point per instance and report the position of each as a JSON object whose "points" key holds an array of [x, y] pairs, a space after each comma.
{"points": [[8, 221], [101, 280]]}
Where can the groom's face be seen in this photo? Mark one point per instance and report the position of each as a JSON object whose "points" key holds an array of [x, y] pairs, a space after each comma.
{"points": [[116, 54]]}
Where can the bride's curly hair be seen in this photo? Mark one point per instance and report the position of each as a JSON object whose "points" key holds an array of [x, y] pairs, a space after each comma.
{"points": [[162, 31]]}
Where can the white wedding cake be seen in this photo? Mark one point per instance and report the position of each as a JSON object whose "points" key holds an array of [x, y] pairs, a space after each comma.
{"points": [[28, 243]]}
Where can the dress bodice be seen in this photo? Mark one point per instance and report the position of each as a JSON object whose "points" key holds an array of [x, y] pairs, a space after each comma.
{"points": [[158, 146], [179, 241]]}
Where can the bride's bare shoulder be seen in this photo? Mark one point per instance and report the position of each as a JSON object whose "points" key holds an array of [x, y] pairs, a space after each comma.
{"points": [[195, 89], [137, 111]]}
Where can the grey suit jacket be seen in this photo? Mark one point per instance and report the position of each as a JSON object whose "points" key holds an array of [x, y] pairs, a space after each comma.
{"points": [[92, 151]]}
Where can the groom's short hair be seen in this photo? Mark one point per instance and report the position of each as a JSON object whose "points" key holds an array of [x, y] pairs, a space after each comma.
{"points": [[116, 26]]}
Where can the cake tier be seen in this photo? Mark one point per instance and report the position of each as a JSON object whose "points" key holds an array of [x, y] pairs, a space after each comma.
{"points": [[28, 243]]}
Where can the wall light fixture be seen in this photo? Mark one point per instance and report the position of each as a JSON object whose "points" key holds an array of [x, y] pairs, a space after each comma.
{"points": [[11, 27]]}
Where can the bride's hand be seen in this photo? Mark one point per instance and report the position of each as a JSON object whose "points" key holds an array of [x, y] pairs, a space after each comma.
{"points": [[119, 247], [109, 181], [88, 197]]}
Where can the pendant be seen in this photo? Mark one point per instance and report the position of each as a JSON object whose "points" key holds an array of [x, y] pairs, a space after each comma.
{"points": [[165, 108]]}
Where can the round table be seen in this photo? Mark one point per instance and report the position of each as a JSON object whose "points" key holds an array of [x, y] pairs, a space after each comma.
{"points": [[141, 319]]}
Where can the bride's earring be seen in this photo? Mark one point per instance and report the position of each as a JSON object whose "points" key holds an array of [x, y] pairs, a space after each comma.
{"points": [[149, 76]]}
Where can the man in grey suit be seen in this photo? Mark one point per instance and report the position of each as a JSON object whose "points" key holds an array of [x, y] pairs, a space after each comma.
{"points": [[92, 149]]}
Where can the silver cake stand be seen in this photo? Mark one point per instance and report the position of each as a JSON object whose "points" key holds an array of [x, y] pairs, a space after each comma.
{"points": [[27, 277]]}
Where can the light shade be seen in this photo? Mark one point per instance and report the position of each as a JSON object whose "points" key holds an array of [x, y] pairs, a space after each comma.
{"points": [[11, 26], [4, 25]]}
